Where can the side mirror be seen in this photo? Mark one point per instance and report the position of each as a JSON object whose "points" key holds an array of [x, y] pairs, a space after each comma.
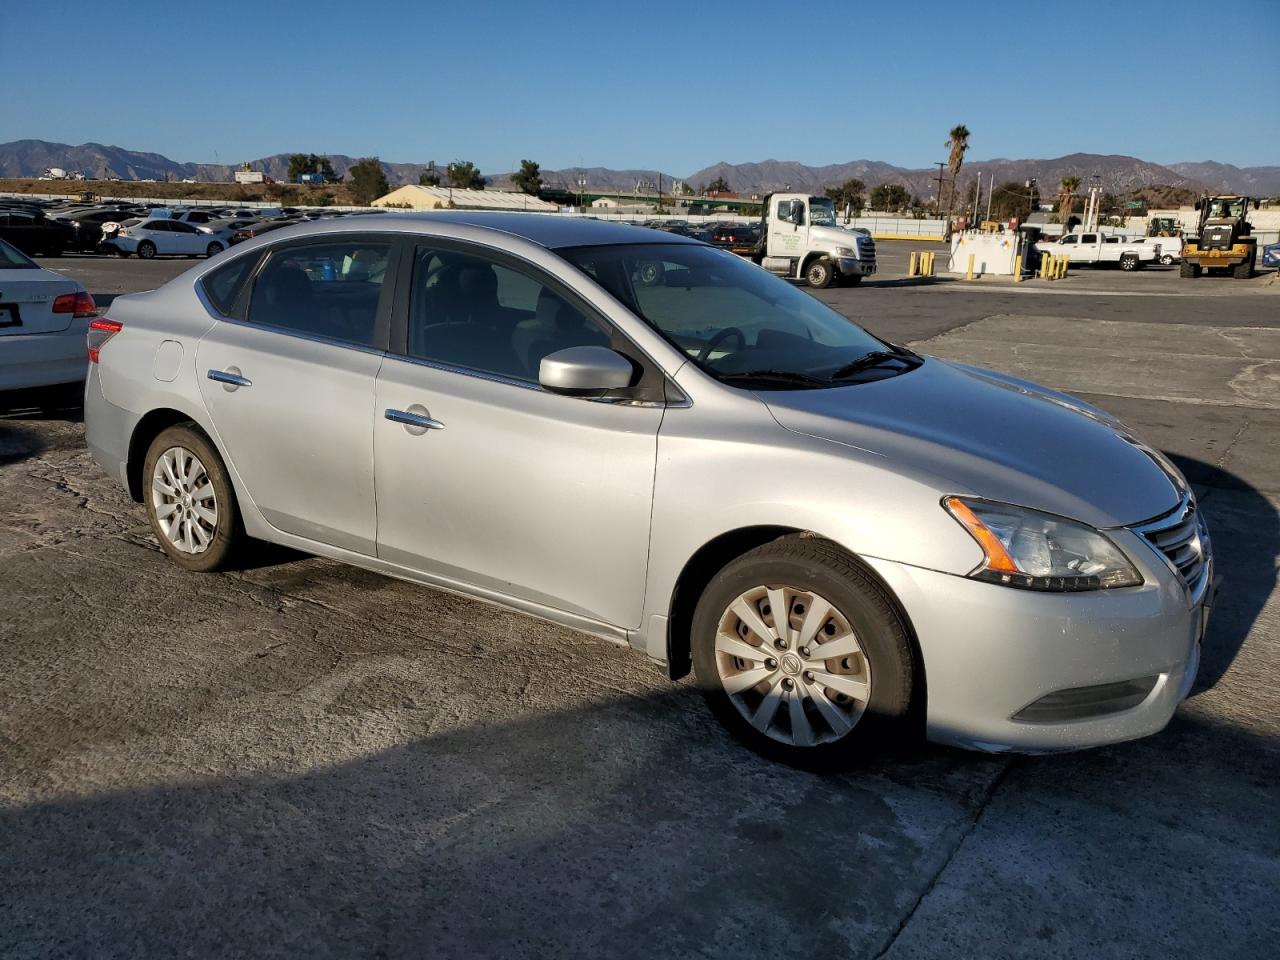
{"points": [[583, 371]]}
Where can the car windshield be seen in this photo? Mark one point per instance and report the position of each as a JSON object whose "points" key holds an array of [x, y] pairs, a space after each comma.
{"points": [[11, 259], [735, 320], [822, 212]]}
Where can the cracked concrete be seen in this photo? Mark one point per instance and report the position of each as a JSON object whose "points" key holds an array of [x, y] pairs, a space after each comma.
{"points": [[303, 759]]}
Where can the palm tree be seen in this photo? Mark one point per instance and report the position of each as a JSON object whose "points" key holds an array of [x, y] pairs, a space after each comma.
{"points": [[957, 143], [1066, 199]]}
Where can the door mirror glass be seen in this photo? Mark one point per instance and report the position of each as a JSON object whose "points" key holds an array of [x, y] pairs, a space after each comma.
{"points": [[586, 371]]}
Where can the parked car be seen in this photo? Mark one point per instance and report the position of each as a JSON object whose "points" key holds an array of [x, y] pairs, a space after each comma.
{"points": [[88, 225], [1271, 255], [656, 442], [259, 228], [34, 234], [165, 237], [43, 321]]}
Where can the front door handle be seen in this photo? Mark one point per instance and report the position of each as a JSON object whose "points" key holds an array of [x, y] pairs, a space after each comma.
{"points": [[416, 419], [231, 377]]}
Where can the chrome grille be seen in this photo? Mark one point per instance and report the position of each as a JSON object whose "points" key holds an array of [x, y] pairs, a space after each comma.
{"points": [[1183, 539], [866, 250]]}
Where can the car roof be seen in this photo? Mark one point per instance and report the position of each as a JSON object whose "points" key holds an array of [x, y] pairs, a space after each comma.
{"points": [[547, 230]]}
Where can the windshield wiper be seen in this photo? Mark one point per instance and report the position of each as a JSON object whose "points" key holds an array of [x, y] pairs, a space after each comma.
{"points": [[780, 377], [876, 358]]}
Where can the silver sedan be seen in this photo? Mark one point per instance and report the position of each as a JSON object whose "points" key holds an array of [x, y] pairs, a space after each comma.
{"points": [[653, 441]]}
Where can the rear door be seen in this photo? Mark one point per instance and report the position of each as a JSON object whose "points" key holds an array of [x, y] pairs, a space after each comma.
{"points": [[186, 238], [289, 384]]}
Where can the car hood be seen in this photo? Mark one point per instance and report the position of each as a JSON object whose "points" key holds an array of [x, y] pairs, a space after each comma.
{"points": [[836, 236], [995, 437]]}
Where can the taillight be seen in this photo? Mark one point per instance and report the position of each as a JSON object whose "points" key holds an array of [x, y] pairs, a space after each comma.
{"points": [[101, 329], [77, 304]]}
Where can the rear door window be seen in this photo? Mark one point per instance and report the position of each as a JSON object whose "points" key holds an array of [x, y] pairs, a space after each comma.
{"points": [[223, 286], [331, 289]]}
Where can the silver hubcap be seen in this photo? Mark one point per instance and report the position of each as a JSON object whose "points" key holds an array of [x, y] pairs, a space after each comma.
{"points": [[183, 499], [781, 647], [817, 274]]}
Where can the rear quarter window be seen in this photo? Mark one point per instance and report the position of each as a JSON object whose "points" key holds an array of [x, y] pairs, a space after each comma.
{"points": [[223, 286]]}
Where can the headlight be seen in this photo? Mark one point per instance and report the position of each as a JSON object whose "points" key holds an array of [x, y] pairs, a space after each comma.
{"points": [[846, 252], [1038, 551]]}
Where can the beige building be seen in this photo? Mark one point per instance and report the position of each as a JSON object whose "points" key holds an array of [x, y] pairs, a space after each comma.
{"points": [[415, 197]]}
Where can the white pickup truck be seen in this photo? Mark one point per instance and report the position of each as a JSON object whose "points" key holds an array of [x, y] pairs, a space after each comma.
{"points": [[1098, 248]]}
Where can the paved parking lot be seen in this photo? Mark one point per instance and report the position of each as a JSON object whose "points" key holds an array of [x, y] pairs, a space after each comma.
{"points": [[303, 759]]}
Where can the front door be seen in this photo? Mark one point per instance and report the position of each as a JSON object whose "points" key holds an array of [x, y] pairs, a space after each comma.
{"points": [[290, 389], [487, 480]]}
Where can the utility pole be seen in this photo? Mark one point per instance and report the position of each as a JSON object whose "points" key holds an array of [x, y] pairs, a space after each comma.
{"points": [[941, 180]]}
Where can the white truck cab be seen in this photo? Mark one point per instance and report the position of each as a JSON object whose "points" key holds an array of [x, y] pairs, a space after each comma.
{"points": [[801, 239]]}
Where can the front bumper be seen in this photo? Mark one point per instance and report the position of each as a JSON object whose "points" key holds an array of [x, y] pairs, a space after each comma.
{"points": [[991, 652], [850, 267]]}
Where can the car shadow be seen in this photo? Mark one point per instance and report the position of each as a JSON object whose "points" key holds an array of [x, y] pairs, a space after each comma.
{"points": [[21, 410], [629, 826], [1244, 527]]}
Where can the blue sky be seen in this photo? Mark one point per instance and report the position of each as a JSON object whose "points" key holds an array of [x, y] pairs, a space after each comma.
{"points": [[676, 86]]}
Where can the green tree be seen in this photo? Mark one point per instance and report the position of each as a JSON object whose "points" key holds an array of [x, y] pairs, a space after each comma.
{"points": [[325, 169], [718, 185], [465, 175], [849, 194], [957, 143], [368, 182], [298, 165], [890, 196], [528, 178], [429, 178], [1013, 199]]}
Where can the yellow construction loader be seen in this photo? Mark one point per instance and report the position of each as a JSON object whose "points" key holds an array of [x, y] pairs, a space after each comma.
{"points": [[1223, 239]]}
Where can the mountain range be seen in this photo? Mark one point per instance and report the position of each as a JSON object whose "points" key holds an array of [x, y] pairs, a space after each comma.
{"points": [[1117, 174]]}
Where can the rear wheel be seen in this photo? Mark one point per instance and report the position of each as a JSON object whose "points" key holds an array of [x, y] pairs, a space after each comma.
{"points": [[1129, 261], [801, 654], [190, 501], [146, 250], [819, 273], [1188, 269], [1167, 260]]}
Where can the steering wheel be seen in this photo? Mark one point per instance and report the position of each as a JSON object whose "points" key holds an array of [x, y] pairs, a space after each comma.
{"points": [[719, 338]]}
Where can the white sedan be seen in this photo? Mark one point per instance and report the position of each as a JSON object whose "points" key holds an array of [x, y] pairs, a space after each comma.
{"points": [[163, 237], [44, 318]]}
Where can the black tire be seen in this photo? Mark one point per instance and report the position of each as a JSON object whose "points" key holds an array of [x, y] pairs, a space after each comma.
{"points": [[819, 273], [1188, 270], [1243, 271], [228, 536], [214, 249], [809, 563], [1167, 260], [146, 250], [1129, 261]]}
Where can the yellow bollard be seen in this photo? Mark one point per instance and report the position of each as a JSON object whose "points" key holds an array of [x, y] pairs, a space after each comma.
{"points": [[1017, 269], [969, 274], [1066, 262], [1044, 266], [931, 256], [911, 265]]}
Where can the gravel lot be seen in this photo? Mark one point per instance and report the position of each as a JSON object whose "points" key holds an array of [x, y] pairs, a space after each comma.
{"points": [[303, 759]]}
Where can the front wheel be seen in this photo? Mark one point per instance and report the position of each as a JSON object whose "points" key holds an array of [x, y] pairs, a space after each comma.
{"points": [[819, 273], [190, 501], [146, 250], [1188, 270], [801, 654]]}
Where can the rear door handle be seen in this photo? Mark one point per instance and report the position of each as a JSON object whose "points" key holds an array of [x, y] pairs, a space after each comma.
{"points": [[412, 418], [228, 377]]}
